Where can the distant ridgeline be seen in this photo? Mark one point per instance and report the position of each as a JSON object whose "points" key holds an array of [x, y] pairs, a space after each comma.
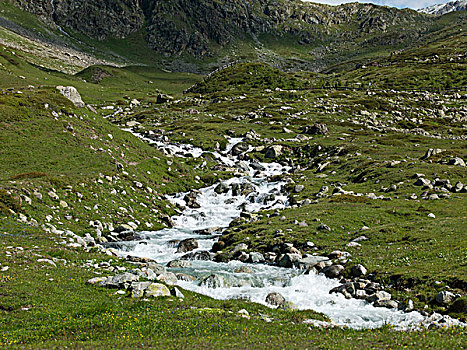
{"points": [[200, 27]]}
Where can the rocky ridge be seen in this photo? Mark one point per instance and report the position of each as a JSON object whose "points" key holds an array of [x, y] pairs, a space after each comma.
{"points": [[196, 27]]}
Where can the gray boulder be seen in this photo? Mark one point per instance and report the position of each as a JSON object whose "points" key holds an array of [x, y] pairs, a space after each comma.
{"points": [[122, 280], [358, 270], [187, 245], [72, 94], [316, 129], [288, 260], [445, 297], [273, 151], [275, 299], [179, 264], [431, 152], [333, 271], [256, 257], [390, 304], [213, 281], [379, 296]]}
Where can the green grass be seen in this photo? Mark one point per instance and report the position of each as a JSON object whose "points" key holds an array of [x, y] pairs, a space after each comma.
{"points": [[71, 151], [54, 307]]}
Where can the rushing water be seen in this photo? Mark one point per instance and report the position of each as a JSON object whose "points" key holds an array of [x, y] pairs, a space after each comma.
{"points": [[218, 210]]}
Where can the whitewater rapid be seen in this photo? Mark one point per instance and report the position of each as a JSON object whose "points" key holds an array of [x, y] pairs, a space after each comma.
{"points": [[309, 291]]}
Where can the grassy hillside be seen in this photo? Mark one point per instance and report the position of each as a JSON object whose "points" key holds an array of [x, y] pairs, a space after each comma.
{"points": [[71, 167]]}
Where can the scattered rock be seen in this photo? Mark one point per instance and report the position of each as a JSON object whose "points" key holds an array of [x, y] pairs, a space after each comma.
{"points": [[445, 297], [316, 129], [333, 271], [358, 270], [72, 94], [431, 152], [273, 152]]}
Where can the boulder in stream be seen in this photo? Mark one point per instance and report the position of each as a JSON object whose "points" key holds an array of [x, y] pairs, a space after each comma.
{"points": [[187, 245], [213, 281]]}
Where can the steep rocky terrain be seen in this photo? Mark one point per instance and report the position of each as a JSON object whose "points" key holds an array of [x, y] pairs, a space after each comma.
{"points": [[204, 28]]}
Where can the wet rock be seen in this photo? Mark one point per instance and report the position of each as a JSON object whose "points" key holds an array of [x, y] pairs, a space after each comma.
{"points": [[445, 297], [156, 290], [358, 270], [208, 231], [333, 271], [243, 269], [213, 281], [122, 228], [390, 304], [378, 296], [256, 257], [218, 246], [185, 277], [179, 264], [190, 200], [187, 245], [275, 299], [239, 247], [347, 289], [200, 255], [316, 129], [288, 260], [242, 256], [222, 188], [239, 148], [310, 262]]}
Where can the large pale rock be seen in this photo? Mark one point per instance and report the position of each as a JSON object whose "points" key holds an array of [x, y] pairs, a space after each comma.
{"points": [[72, 94], [157, 290], [119, 281]]}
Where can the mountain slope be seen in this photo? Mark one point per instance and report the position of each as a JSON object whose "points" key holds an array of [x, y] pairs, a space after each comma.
{"points": [[200, 35]]}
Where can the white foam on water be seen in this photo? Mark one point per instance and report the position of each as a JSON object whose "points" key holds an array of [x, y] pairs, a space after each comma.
{"points": [[218, 210]]}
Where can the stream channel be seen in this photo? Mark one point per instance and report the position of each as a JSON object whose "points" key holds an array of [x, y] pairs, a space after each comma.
{"points": [[306, 291]]}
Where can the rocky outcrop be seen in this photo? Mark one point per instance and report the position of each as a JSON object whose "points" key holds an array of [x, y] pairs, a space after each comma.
{"points": [[98, 19], [196, 27]]}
